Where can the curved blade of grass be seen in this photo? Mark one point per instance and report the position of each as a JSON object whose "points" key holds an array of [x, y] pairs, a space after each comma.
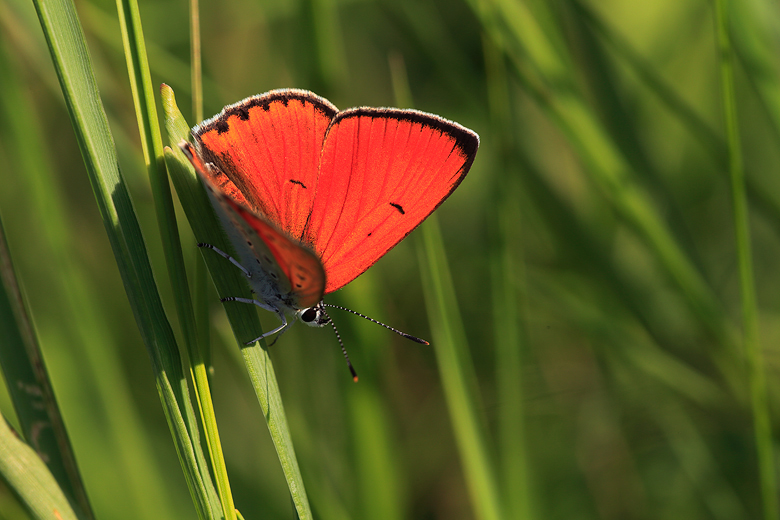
{"points": [[766, 84], [230, 282], [151, 144], [544, 73], [29, 477], [67, 46], [697, 460], [750, 335], [457, 372], [80, 305], [755, 44], [146, 115], [31, 389]]}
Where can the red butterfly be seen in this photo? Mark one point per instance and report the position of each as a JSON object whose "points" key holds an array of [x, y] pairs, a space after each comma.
{"points": [[311, 196]]}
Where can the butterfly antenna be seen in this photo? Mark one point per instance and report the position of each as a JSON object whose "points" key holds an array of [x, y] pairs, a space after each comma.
{"points": [[388, 327], [343, 350]]}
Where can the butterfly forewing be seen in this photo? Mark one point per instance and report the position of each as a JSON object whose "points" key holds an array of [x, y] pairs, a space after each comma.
{"points": [[382, 172], [269, 146]]}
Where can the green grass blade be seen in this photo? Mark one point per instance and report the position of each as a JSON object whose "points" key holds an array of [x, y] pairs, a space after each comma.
{"points": [[767, 85], [457, 373], [449, 342], [377, 468], [205, 498], [68, 50], [230, 282], [507, 267], [200, 277], [750, 333], [378, 481], [195, 59], [755, 47], [508, 318], [146, 114], [702, 466], [151, 144], [81, 309], [29, 477], [30, 387], [545, 75]]}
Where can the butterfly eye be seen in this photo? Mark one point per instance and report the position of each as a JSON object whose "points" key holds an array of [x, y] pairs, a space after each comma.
{"points": [[309, 315], [315, 316]]}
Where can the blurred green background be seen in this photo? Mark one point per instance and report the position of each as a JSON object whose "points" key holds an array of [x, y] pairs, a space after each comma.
{"points": [[592, 247]]}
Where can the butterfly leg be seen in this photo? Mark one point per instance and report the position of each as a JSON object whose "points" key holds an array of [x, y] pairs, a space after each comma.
{"points": [[284, 329], [227, 256], [266, 307], [280, 329]]}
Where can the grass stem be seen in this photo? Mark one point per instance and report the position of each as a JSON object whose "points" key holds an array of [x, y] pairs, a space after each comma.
{"points": [[750, 332]]}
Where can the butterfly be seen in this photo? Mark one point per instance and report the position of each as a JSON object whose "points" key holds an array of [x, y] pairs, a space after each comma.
{"points": [[311, 196]]}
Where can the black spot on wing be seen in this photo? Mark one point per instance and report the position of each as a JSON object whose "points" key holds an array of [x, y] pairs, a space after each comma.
{"points": [[299, 183], [222, 126], [242, 113], [398, 207]]}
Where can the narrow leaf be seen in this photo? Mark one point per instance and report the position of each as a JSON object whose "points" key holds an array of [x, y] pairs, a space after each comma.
{"points": [[230, 282], [29, 477]]}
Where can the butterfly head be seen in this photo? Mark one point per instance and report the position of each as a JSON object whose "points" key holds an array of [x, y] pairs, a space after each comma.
{"points": [[314, 316]]}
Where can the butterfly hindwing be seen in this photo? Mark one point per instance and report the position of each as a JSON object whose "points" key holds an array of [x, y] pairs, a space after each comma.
{"points": [[289, 263], [382, 172], [283, 271]]}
